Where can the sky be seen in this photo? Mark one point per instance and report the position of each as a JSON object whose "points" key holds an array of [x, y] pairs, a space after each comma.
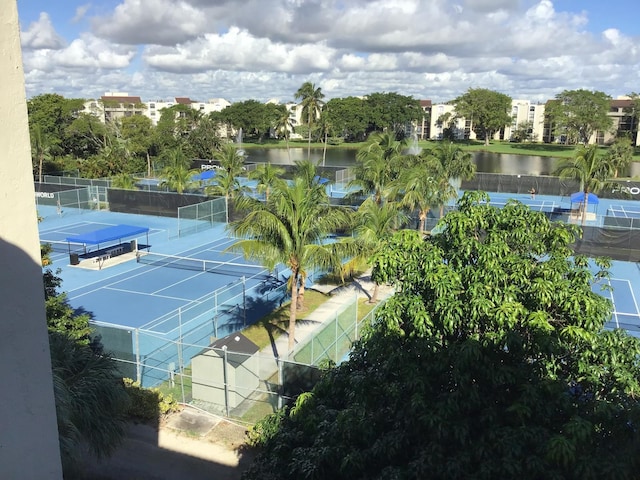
{"points": [[266, 49]]}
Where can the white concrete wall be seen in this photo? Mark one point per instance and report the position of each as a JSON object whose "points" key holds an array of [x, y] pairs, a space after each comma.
{"points": [[28, 431]]}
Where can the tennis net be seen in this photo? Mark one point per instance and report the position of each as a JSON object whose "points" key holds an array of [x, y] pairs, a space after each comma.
{"points": [[210, 266]]}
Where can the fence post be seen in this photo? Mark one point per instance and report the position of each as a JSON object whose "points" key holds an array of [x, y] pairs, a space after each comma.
{"points": [[280, 383], [138, 366], [225, 379]]}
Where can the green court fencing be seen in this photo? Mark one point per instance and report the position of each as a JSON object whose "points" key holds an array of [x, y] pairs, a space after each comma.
{"points": [[201, 216], [78, 199]]}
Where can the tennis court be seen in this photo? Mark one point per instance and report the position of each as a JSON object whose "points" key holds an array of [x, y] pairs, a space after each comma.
{"points": [[178, 291], [624, 211]]}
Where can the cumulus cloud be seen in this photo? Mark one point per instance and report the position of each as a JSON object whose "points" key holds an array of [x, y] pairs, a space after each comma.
{"points": [[41, 35], [162, 22], [261, 49]]}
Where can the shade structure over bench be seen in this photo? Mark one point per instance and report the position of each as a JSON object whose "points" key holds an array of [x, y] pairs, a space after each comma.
{"points": [[108, 234]]}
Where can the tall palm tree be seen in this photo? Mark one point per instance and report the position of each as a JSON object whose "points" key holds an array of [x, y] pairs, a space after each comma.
{"points": [[311, 100], [284, 125], [291, 229], [377, 165], [40, 148], [227, 176], [176, 174], [418, 189], [453, 164], [267, 176], [590, 170]]}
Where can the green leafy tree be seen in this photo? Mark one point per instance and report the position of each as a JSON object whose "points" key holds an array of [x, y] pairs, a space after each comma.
{"points": [[85, 136], [523, 133], [591, 170], [579, 114], [53, 113], [253, 117], [348, 117], [291, 228], [311, 100], [490, 361], [391, 112], [488, 111], [137, 131], [267, 176]]}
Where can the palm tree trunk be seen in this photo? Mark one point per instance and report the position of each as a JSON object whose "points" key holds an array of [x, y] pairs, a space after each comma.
{"points": [[286, 139], [423, 217], [584, 211], [303, 280], [40, 160], [148, 165], [309, 145], [293, 310], [324, 150]]}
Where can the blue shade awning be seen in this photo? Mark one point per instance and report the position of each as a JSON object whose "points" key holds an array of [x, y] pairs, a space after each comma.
{"points": [[320, 180], [579, 197], [205, 175], [117, 232]]}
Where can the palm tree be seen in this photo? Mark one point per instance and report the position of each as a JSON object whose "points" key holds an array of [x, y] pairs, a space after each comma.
{"points": [[91, 402], [325, 129], [311, 100], [227, 176], [454, 164], [176, 175], [374, 223], [418, 188], [377, 163], [267, 176], [291, 229], [40, 148], [123, 181], [590, 170], [284, 125]]}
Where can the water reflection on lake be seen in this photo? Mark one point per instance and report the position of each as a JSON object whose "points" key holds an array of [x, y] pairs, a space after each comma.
{"points": [[485, 161]]}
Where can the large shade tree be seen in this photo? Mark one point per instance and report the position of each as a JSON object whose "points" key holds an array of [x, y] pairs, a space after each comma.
{"points": [[486, 110], [292, 229], [577, 115], [490, 361]]}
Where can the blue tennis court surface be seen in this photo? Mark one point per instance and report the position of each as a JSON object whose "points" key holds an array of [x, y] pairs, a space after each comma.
{"points": [[624, 212]]}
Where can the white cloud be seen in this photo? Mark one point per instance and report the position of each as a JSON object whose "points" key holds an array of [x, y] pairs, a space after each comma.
{"points": [[81, 11], [41, 34], [267, 48], [162, 22]]}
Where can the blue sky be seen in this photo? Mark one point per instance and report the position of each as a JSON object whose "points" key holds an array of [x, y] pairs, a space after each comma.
{"points": [[430, 49]]}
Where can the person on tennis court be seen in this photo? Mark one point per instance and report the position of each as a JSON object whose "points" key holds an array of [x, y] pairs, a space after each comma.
{"points": [[59, 208], [533, 193]]}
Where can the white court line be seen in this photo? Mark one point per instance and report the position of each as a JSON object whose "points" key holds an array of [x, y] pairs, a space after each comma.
{"points": [[153, 294]]}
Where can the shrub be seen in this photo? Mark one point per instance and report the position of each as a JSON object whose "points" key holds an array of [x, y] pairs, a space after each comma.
{"points": [[148, 404]]}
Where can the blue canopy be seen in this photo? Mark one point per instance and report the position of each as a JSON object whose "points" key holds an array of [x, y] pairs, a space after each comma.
{"points": [[117, 232], [578, 197], [206, 175], [320, 180]]}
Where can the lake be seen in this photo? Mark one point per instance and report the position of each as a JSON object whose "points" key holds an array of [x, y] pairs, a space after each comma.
{"points": [[486, 162]]}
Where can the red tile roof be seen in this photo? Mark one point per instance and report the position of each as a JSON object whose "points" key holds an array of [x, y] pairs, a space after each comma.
{"points": [[126, 100], [184, 100]]}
